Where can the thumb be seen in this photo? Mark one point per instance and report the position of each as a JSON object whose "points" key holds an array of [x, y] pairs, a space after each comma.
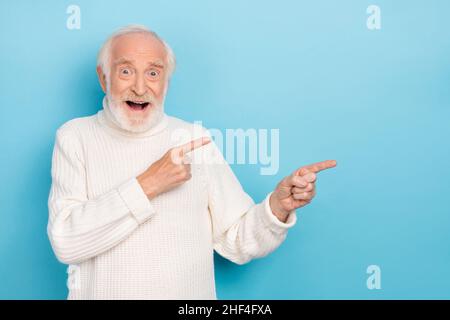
{"points": [[301, 172]]}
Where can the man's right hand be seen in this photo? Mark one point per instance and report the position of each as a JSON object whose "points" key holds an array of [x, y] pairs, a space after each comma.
{"points": [[172, 170]]}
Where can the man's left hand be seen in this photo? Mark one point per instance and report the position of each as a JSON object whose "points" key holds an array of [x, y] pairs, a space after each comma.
{"points": [[297, 189]]}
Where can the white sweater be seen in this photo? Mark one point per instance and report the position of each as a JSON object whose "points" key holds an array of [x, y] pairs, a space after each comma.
{"points": [[121, 245]]}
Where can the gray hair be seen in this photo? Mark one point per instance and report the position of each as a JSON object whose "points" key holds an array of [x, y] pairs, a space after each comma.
{"points": [[103, 57]]}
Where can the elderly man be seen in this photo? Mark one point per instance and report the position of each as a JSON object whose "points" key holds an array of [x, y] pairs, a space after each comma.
{"points": [[131, 213]]}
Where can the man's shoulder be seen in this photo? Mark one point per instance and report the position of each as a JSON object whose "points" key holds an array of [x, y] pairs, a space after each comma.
{"points": [[76, 127]]}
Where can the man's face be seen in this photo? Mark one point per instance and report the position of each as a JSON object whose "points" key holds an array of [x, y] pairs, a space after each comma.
{"points": [[138, 81]]}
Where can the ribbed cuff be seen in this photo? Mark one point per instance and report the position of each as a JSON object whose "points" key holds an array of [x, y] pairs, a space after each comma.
{"points": [[136, 200], [273, 222]]}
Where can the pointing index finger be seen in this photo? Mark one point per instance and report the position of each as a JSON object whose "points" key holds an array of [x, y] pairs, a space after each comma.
{"points": [[316, 167], [194, 144]]}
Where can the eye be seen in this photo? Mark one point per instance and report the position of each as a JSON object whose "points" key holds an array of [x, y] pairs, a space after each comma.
{"points": [[153, 73], [125, 72]]}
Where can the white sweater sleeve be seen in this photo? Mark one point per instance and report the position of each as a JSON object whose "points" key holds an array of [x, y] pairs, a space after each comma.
{"points": [[80, 228], [242, 230]]}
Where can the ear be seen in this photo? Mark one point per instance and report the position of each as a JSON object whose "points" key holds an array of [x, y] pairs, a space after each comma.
{"points": [[101, 78]]}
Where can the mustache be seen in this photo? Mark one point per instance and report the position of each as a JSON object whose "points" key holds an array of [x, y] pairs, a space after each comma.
{"points": [[118, 100], [132, 97], [144, 98]]}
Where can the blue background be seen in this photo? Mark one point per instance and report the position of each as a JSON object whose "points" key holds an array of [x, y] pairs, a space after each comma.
{"points": [[376, 101]]}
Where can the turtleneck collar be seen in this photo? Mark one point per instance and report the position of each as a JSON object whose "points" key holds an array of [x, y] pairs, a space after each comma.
{"points": [[106, 119]]}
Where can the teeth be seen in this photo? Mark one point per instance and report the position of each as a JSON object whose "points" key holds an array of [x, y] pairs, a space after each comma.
{"points": [[137, 105], [137, 102]]}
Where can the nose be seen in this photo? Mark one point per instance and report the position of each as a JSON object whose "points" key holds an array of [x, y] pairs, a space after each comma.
{"points": [[139, 87]]}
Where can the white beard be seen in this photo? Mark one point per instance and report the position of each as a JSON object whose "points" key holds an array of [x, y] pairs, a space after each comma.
{"points": [[136, 124]]}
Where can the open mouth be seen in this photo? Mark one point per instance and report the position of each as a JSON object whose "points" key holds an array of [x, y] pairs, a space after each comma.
{"points": [[136, 105]]}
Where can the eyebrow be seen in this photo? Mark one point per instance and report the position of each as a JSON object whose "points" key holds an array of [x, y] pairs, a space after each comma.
{"points": [[122, 60]]}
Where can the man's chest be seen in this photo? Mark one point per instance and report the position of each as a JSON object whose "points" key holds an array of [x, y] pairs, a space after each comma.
{"points": [[111, 164]]}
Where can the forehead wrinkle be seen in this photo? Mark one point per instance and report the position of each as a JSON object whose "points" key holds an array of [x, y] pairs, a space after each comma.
{"points": [[123, 60], [157, 63]]}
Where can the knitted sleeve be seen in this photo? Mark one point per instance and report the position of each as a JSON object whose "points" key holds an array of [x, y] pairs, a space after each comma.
{"points": [[80, 228], [242, 230]]}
